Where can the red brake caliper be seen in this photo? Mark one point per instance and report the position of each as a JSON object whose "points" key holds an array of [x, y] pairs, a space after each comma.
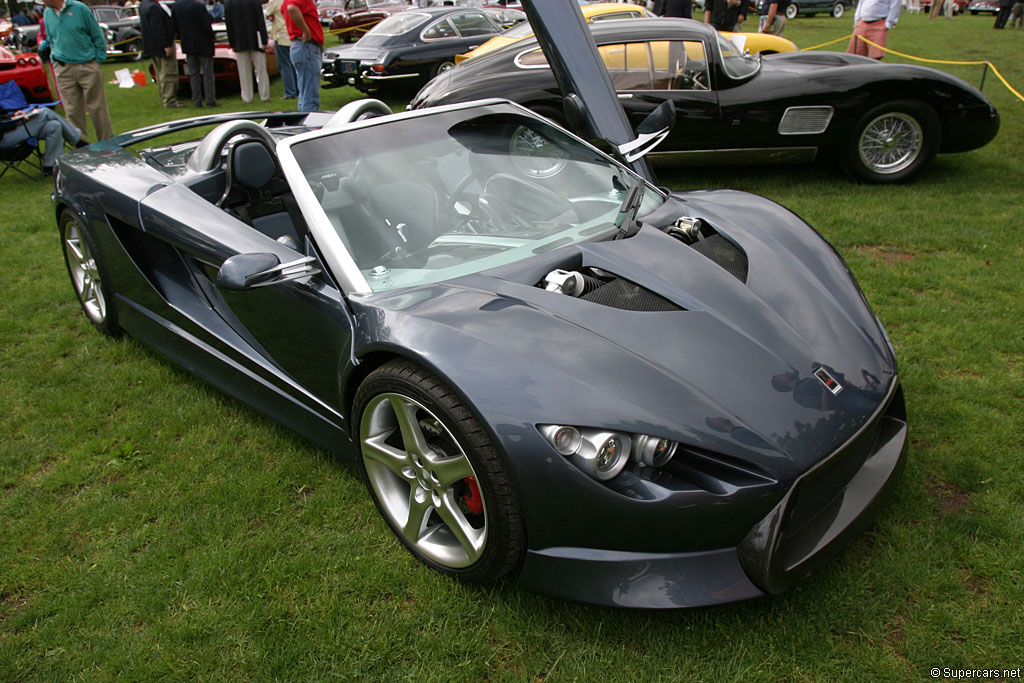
{"points": [[474, 501]]}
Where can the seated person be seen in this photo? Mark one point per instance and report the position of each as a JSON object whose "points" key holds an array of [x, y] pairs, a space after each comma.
{"points": [[44, 124]]}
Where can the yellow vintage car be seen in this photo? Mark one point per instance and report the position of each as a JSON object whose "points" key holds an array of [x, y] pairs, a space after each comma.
{"points": [[602, 11]]}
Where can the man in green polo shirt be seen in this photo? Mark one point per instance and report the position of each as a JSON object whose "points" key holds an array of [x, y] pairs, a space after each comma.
{"points": [[77, 47]]}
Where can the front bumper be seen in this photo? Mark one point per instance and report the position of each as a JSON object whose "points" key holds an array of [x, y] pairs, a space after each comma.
{"points": [[824, 509]]}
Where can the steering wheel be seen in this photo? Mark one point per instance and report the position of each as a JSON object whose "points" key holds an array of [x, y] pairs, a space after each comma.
{"points": [[206, 156]]}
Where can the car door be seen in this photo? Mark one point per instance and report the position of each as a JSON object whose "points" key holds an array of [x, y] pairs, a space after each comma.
{"points": [[288, 342], [647, 73]]}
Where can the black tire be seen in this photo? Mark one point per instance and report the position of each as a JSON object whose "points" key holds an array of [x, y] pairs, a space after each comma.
{"points": [[893, 142], [441, 67], [469, 530], [838, 10], [792, 10], [88, 273], [135, 51]]}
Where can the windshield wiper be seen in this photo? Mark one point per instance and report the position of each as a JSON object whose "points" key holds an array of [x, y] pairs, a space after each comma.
{"points": [[626, 221]]}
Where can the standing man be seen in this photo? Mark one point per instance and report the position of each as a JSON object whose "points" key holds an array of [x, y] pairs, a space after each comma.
{"points": [[307, 38], [247, 34], [282, 48], [195, 28], [773, 17], [158, 43], [872, 20], [77, 47], [1005, 9], [674, 8]]}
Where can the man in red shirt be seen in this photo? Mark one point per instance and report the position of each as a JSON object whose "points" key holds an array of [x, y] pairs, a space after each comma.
{"points": [[307, 38]]}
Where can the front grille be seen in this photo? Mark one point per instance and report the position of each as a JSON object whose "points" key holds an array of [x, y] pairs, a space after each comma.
{"points": [[725, 254], [628, 296]]}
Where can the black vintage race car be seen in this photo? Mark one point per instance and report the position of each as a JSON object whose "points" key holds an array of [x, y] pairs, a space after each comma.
{"points": [[408, 48], [883, 122], [541, 363]]}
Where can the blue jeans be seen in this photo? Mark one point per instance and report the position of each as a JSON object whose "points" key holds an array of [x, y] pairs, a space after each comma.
{"points": [[307, 59], [46, 125], [284, 64]]}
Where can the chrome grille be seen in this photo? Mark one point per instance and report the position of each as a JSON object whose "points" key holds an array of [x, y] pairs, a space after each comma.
{"points": [[805, 120]]}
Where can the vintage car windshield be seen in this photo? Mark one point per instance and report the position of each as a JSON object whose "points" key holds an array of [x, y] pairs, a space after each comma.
{"points": [[427, 199], [737, 63]]}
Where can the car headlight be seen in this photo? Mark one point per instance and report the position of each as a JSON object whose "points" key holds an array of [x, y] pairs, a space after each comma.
{"points": [[654, 452], [602, 454]]}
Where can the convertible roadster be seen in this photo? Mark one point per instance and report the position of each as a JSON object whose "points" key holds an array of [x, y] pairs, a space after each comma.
{"points": [[541, 363], [883, 122]]}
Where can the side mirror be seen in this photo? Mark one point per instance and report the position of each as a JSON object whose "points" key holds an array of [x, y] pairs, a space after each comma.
{"points": [[651, 131], [246, 271]]}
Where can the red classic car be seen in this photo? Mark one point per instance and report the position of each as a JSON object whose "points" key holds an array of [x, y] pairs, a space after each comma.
{"points": [[225, 68], [27, 70]]}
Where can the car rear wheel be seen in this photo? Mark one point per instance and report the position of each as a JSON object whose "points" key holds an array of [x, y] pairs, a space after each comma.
{"points": [[443, 66], [434, 475], [88, 274], [134, 50], [792, 10], [838, 10], [893, 142]]}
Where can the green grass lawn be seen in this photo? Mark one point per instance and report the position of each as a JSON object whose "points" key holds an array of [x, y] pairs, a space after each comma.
{"points": [[152, 528]]}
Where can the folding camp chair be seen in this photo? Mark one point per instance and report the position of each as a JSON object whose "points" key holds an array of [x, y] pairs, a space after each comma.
{"points": [[27, 151]]}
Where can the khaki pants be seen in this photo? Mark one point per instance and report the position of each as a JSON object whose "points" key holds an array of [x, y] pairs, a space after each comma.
{"points": [[165, 70], [247, 60], [81, 89]]}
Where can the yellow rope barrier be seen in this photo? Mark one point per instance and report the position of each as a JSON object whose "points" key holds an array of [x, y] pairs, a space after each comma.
{"points": [[983, 62]]}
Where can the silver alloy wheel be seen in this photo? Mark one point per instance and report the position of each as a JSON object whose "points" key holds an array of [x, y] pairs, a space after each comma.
{"points": [[534, 155], [890, 143], [85, 276], [421, 475]]}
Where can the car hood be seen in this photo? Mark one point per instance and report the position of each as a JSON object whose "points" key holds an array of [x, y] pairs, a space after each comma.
{"points": [[697, 374]]}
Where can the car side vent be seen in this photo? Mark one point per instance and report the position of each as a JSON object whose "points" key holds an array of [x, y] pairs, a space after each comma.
{"points": [[805, 120], [706, 241]]}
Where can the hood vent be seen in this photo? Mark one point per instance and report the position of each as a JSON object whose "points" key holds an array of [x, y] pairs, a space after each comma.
{"points": [[627, 296], [601, 287], [707, 241]]}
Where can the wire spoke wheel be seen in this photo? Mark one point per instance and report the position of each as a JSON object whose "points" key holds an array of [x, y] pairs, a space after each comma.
{"points": [[534, 155], [891, 142], [423, 479]]}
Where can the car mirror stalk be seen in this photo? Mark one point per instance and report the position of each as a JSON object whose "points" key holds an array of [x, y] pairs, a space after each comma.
{"points": [[247, 271]]}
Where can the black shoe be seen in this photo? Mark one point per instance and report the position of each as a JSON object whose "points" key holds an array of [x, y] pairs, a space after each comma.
{"points": [[197, 105], [213, 104], [47, 171], [82, 142], [174, 105]]}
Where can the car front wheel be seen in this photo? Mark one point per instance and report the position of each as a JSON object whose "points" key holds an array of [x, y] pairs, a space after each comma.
{"points": [[893, 142], [838, 10], [791, 11], [435, 476], [88, 274]]}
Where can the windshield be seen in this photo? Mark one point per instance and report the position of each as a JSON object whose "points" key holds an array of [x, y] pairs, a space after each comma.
{"points": [[397, 24], [431, 198], [737, 63]]}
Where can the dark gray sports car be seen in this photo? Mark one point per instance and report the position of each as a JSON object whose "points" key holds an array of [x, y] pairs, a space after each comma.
{"points": [[541, 363]]}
